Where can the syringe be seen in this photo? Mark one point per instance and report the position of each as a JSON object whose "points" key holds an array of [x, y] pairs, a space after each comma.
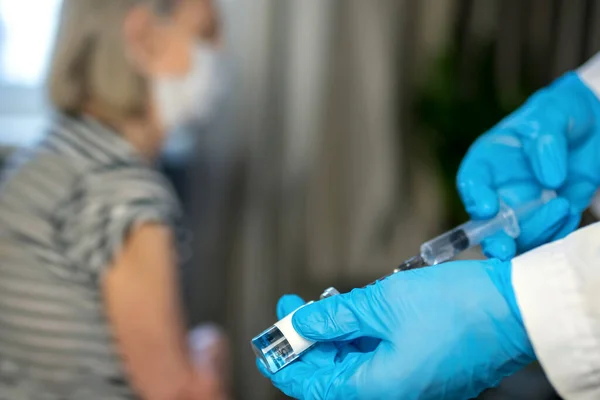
{"points": [[280, 345], [470, 234]]}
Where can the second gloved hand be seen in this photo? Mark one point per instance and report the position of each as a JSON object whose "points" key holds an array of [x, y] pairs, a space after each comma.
{"points": [[551, 142], [445, 332]]}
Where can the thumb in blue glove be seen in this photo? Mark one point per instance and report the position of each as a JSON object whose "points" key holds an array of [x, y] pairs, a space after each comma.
{"points": [[445, 332]]}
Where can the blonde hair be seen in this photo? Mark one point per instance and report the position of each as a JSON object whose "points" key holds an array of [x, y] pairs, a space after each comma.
{"points": [[89, 60]]}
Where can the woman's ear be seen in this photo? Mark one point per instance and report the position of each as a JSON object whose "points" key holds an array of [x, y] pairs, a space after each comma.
{"points": [[140, 37]]}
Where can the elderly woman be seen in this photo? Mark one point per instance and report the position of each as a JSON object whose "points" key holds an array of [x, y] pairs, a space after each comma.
{"points": [[88, 290]]}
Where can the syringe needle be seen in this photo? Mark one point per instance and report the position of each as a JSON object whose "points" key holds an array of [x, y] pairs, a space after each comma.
{"points": [[412, 263]]}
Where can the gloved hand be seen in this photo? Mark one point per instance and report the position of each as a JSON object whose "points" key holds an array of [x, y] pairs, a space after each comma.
{"points": [[553, 142], [444, 332]]}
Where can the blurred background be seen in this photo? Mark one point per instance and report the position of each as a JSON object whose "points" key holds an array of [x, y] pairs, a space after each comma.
{"points": [[334, 154]]}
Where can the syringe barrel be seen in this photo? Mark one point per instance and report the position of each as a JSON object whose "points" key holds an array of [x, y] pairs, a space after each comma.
{"points": [[446, 246]]}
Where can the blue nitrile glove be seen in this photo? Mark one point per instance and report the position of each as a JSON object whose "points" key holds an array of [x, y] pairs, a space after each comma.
{"points": [[552, 142], [444, 332]]}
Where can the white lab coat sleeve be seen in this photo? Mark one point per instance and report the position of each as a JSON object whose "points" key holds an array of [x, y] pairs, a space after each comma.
{"points": [[590, 74], [557, 287]]}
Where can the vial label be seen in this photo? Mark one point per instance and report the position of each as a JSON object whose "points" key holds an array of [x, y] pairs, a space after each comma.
{"points": [[273, 349]]}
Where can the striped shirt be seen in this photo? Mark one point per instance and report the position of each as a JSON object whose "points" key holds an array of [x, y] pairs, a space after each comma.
{"points": [[66, 207]]}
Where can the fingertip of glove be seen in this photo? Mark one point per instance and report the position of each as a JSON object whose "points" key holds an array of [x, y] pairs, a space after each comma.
{"points": [[287, 304], [501, 247], [480, 201], [580, 194], [560, 207], [307, 320], [262, 369], [549, 160], [487, 204], [291, 298]]}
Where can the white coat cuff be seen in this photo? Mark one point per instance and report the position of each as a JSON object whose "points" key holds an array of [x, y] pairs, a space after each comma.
{"points": [[548, 291], [590, 74]]}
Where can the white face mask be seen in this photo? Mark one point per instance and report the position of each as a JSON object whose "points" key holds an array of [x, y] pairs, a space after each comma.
{"points": [[192, 97]]}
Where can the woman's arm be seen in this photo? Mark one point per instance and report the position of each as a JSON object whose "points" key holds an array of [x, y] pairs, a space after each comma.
{"points": [[140, 294]]}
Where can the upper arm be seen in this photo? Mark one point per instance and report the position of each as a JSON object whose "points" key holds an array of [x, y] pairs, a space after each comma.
{"points": [[116, 230], [142, 304]]}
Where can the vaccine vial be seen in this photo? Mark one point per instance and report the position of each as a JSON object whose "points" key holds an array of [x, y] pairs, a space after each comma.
{"points": [[280, 345]]}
